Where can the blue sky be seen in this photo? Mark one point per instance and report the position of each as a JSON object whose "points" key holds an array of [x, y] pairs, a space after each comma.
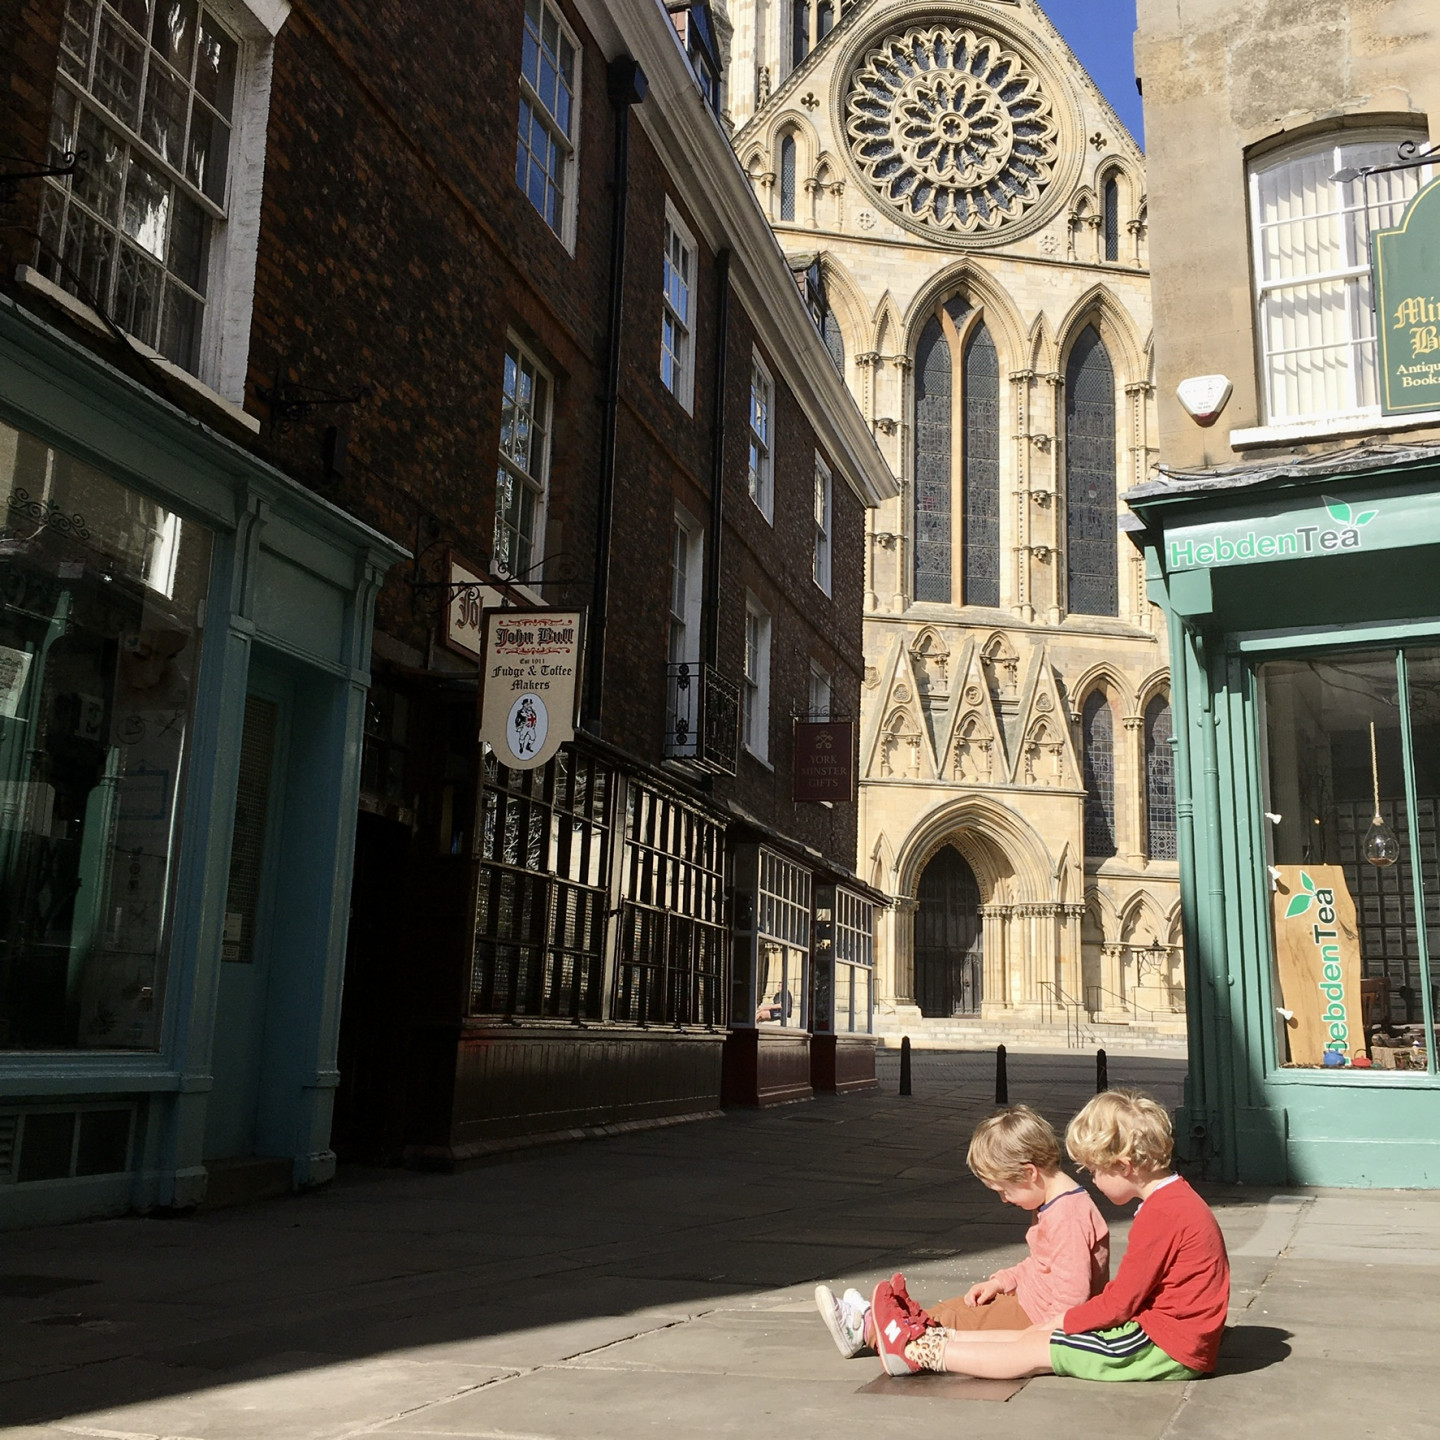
{"points": [[1101, 33]]}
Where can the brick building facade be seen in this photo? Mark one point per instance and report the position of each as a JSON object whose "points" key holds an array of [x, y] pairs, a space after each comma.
{"points": [[303, 251]]}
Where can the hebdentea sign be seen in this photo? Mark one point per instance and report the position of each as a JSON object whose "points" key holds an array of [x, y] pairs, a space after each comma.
{"points": [[529, 683], [1317, 955], [1388, 519], [1405, 268]]}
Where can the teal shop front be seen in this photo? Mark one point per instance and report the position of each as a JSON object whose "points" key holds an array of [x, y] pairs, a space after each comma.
{"points": [[1303, 602], [184, 651]]}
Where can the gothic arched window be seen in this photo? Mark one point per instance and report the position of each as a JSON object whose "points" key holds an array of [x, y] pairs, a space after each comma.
{"points": [[1097, 735], [980, 447], [834, 341], [1159, 781], [1111, 202], [932, 464], [787, 178], [824, 19], [799, 31], [1091, 548]]}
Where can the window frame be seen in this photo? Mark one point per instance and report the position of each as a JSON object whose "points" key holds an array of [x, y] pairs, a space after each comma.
{"points": [[822, 693], [761, 475], [755, 710], [1345, 215], [681, 381], [824, 522], [568, 142], [539, 486], [222, 346]]}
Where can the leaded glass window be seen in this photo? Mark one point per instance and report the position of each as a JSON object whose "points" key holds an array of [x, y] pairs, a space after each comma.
{"points": [[1098, 739], [834, 341], [1091, 518], [1111, 206], [932, 465], [787, 178], [981, 451], [1159, 781]]}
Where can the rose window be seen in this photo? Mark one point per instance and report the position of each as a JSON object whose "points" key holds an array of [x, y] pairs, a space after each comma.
{"points": [[951, 129]]}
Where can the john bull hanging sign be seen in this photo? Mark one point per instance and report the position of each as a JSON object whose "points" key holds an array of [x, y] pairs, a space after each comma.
{"points": [[1406, 270], [1317, 954], [529, 683]]}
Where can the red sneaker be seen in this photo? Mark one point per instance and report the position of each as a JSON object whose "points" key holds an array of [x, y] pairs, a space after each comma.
{"points": [[897, 1320]]}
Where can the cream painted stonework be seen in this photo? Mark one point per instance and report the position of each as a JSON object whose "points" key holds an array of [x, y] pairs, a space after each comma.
{"points": [[948, 164]]}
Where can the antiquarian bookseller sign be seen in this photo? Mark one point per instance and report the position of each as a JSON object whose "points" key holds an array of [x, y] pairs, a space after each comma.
{"points": [[1406, 268], [529, 683], [824, 761]]}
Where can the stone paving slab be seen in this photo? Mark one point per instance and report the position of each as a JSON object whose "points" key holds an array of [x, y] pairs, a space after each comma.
{"points": [[661, 1284]]}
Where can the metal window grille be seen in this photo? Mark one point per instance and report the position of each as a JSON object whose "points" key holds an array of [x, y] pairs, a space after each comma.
{"points": [[1110, 203], [1098, 737], [1159, 781], [544, 872], [787, 178], [670, 967], [146, 89], [981, 453], [675, 321], [546, 146], [1092, 561], [524, 462], [932, 465]]}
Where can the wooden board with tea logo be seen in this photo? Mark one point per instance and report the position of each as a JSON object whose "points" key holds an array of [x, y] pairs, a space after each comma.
{"points": [[1317, 956]]}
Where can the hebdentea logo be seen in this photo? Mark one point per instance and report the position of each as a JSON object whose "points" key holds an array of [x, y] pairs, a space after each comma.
{"points": [[1303, 540], [1326, 937]]}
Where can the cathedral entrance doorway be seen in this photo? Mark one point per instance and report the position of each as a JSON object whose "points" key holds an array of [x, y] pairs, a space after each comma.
{"points": [[949, 939]]}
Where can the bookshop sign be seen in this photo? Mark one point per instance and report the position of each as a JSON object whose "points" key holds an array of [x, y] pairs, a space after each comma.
{"points": [[1406, 270]]}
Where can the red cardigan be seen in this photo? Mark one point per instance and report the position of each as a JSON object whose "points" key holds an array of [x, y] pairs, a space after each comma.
{"points": [[1174, 1279]]}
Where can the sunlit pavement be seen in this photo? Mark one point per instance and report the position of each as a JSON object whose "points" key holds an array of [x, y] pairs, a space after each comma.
{"points": [[659, 1283]]}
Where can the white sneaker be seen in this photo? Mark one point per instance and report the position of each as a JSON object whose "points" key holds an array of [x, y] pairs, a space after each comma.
{"points": [[844, 1319]]}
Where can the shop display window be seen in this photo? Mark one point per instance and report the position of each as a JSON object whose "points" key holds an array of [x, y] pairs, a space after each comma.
{"points": [[783, 922], [854, 962], [1352, 800], [100, 636]]}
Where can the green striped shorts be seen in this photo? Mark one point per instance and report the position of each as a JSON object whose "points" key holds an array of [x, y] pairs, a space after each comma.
{"points": [[1124, 1352]]}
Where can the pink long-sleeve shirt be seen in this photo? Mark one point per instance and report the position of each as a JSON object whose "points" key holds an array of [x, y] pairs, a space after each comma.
{"points": [[1069, 1259]]}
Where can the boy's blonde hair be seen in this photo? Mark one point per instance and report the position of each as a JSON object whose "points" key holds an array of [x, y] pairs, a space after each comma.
{"points": [[1006, 1142], [1120, 1127]]}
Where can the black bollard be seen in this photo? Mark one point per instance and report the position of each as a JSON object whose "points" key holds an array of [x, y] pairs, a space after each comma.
{"points": [[1002, 1083], [905, 1065], [1102, 1072]]}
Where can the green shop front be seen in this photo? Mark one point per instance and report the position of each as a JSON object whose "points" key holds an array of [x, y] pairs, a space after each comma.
{"points": [[1303, 603], [184, 647]]}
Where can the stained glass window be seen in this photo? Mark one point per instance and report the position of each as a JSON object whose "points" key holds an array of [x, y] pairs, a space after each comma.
{"points": [[932, 465], [981, 453], [1159, 781], [1111, 202], [1091, 543], [787, 178], [1098, 738]]}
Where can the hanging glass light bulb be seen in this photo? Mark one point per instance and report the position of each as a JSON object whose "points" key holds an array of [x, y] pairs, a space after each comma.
{"points": [[1381, 846]]}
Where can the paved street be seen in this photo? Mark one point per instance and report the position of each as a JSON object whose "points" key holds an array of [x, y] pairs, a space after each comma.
{"points": [[658, 1283]]}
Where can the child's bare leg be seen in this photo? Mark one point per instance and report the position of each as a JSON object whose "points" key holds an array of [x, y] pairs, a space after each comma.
{"points": [[1000, 1354], [996, 1355]]}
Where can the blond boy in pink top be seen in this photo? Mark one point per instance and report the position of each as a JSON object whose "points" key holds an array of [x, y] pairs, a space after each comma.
{"points": [[1015, 1153]]}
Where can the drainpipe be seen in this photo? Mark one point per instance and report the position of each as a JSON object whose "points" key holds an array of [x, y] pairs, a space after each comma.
{"points": [[626, 84], [710, 622]]}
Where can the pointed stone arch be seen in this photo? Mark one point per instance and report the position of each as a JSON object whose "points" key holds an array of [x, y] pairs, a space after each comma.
{"points": [[1042, 353], [889, 328], [930, 659], [1000, 662], [882, 863], [1099, 307], [997, 842], [1102, 674], [847, 304], [966, 278], [807, 139], [1157, 682]]}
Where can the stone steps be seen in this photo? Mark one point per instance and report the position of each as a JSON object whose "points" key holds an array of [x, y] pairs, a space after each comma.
{"points": [[981, 1035]]}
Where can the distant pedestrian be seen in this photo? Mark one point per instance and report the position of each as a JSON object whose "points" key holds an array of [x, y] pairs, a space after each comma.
{"points": [[1016, 1153], [1162, 1316]]}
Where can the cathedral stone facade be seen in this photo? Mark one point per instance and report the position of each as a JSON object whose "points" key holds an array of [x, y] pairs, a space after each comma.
{"points": [[974, 212]]}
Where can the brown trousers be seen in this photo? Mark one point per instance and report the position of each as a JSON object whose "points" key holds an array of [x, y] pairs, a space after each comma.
{"points": [[1002, 1313]]}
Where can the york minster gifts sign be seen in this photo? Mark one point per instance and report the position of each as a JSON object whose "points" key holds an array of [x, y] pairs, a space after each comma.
{"points": [[1317, 954], [824, 761], [529, 683], [1406, 271]]}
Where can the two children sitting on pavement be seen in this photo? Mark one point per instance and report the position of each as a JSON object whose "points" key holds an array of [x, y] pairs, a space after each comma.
{"points": [[1160, 1318]]}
